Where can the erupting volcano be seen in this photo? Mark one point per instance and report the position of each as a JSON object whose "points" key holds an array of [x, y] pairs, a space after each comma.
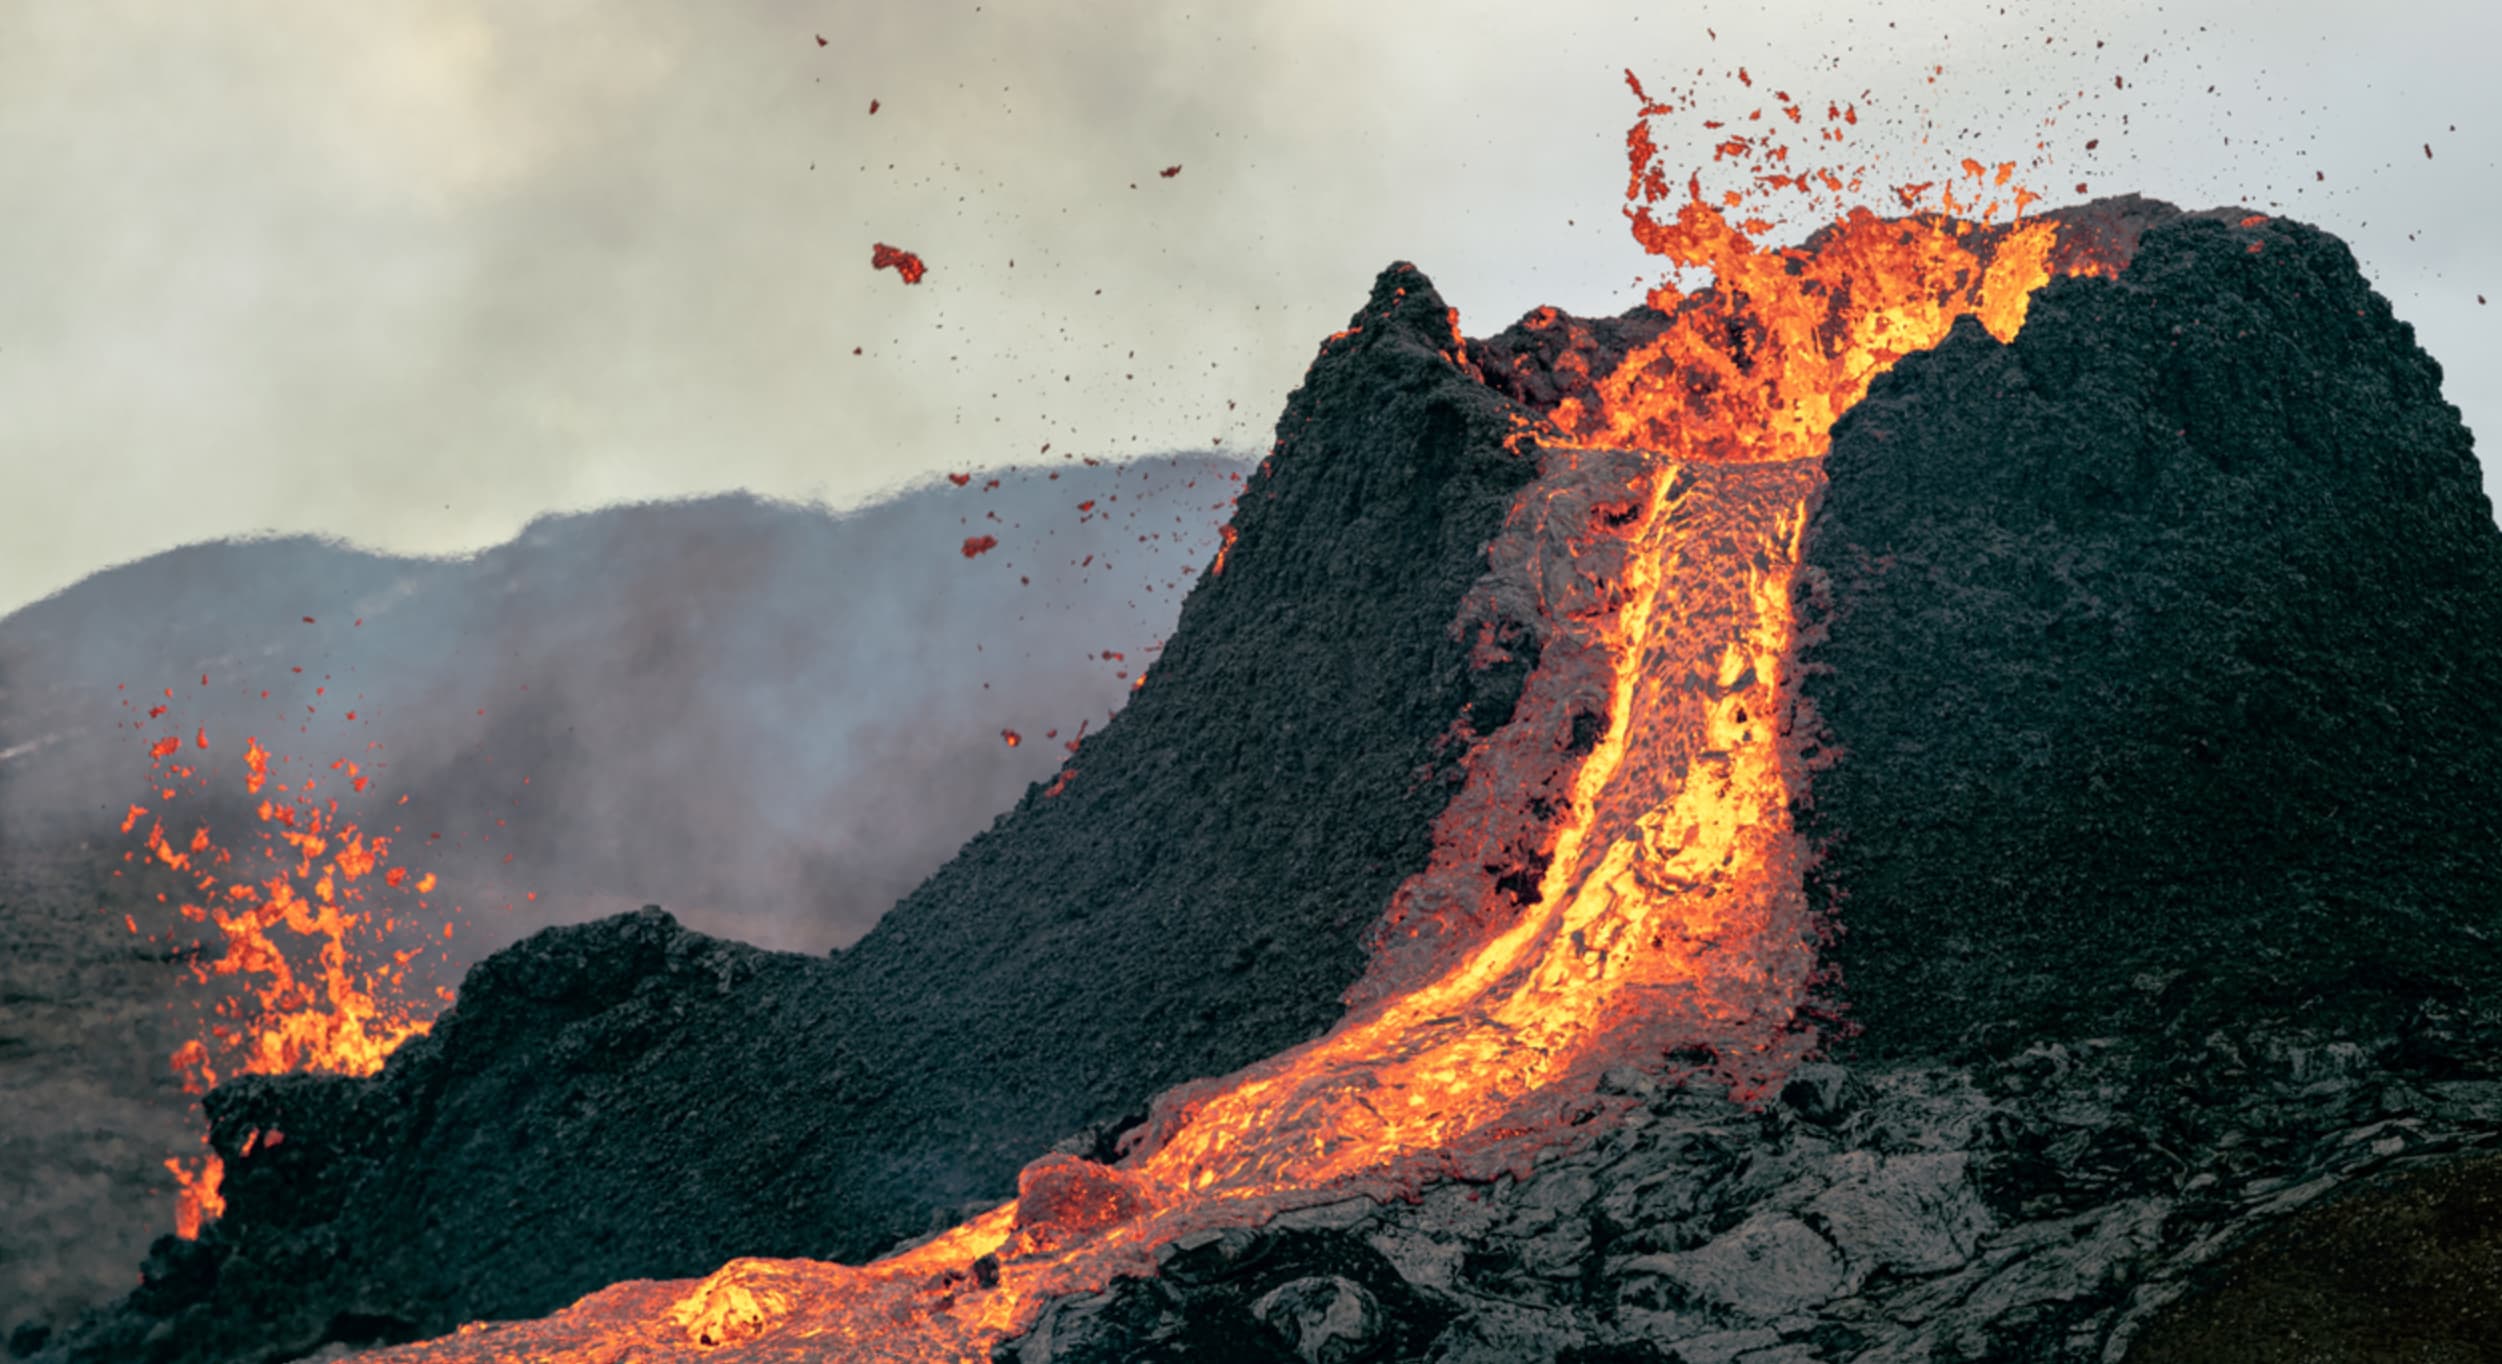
{"points": [[1618, 881], [1640, 554]]}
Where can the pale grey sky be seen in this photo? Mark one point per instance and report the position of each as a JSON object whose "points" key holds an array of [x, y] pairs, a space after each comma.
{"points": [[410, 273]]}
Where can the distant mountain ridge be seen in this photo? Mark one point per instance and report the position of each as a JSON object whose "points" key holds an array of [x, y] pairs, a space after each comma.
{"points": [[686, 642]]}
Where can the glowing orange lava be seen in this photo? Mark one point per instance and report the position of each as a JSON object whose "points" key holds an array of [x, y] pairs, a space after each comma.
{"points": [[1619, 876], [321, 993], [904, 263]]}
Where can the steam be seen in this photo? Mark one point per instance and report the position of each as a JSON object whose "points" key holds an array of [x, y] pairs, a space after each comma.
{"points": [[771, 718]]}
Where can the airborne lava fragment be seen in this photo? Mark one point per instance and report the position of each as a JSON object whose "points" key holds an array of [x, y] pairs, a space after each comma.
{"points": [[904, 263]]}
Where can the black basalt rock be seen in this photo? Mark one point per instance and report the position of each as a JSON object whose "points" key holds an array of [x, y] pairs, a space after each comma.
{"points": [[2164, 639], [1193, 897]]}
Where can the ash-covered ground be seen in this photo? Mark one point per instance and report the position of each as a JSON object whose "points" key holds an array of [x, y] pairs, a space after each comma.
{"points": [[775, 718]]}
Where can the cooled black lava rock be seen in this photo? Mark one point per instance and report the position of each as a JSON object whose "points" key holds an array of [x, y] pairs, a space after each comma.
{"points": [[626, 1099], [1194, 897], [2165, 642], [2056, 1206], [1273, 1296], [2408, 1267]]}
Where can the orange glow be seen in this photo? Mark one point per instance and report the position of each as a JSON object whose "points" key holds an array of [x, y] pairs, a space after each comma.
{"points": [[1761, 366], [1669, 911], [196, 1200], [1617, 882], [293, 932], [903, 263], [1760, 363]]}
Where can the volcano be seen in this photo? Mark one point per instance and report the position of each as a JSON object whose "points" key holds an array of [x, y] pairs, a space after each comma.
{"points": [[1919, 803]]}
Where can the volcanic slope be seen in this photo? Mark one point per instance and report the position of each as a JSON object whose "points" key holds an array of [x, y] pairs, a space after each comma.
{"points": [[2164, 653], [627, 1099], [2158, 651]]}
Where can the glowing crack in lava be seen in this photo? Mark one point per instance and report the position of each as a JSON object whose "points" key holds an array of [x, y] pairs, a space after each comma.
{"points": [[1646, 779], [345, 1009]]}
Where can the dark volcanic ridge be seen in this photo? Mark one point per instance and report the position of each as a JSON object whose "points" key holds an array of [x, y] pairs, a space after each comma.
{"points": [[2160, 648]]}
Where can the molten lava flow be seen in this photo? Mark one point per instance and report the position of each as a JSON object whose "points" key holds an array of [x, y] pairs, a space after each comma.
{"points": [[1760, 364], [1618, 879], [343, 1010], [197, 1200], [1668, 909], [1668, 914]]}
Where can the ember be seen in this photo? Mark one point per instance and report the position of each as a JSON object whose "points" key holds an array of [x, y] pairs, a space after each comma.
{"points": [[902, 262], [342, 1013]]}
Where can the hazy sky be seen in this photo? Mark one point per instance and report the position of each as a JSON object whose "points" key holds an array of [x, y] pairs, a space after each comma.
{"points": [[409, 273]]}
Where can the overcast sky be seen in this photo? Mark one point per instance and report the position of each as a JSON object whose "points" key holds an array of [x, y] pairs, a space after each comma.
{"points": [[410, 273]]}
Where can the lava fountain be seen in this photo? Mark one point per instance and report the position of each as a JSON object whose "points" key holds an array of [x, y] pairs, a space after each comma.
{"points": [[1619, 881], [298, 925]]}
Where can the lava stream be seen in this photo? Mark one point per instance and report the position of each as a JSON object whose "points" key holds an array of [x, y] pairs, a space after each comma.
{"points": [[1669, 903], [1670, 910]]}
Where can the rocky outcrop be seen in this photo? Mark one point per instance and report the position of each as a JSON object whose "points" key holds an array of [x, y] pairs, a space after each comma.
{"points": [[626, 1099], [2054, 1205], [2163, 642]]}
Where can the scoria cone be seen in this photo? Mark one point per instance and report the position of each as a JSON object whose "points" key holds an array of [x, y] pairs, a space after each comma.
{"points": [[2161, 650]]}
